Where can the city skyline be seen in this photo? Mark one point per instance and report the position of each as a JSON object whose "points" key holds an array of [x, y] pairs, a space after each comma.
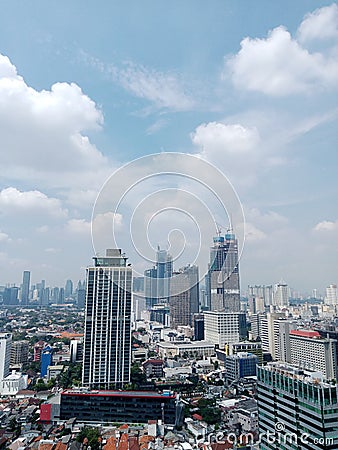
{"points": [[255, 97]]}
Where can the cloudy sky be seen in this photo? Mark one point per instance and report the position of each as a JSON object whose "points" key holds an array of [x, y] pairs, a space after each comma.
{"points": [[250, 87]]}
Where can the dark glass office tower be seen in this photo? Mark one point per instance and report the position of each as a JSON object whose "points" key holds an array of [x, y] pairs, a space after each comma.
{"points": [[223, 274], [107, 341], [25, 287], [157, 279]]}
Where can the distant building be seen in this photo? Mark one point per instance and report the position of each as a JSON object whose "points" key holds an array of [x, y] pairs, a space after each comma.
{"points": [[192, 349], [310, 351], [282, 328], [248, 347], [5, 354], [153, 368], [54, 371], [184, 296], [281, 295], [199, 327], [76, 351], [160, 313], [46, 359], [13, 383], [267, 334], [81, 295], [119, 406], [25, 287], [221, 328], [240, 365], [10, 296], [297, 407], [331, 297], [262, 291], [61, 299], [157, 279], [38, 347], [19, 352], [68, 289], [222, 280]]}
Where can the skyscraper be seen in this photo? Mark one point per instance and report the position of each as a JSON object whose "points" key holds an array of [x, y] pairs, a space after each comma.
{"points": [[25, 287], [223, 274], [68, 288], [157, 279], [297, 409], [281, 295], [331, 297], [5, 354], [107, 340], [184, 296]]}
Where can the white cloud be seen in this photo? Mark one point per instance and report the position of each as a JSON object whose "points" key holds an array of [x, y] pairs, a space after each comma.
{"points": [[321, 24], [225, 138], [52, 250], [253, 233], [326, 225], [156, 126], [78, 226], [13, 201], [42, 133], [279, 65], [233, 148], [165, 90], [4, 237]]}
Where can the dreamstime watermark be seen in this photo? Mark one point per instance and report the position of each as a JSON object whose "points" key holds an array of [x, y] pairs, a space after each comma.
{"points": [[279, 436], [172, 202]]}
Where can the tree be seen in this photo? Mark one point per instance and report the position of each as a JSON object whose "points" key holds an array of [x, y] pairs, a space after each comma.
{"points": [[137, 376], [209, 412], [93, 436], [71, 375]]}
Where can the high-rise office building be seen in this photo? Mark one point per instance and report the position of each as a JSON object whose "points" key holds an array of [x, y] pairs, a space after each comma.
{"points": [[25, 287], [10, 296], [281, 295], [5, 354], [331, 297], [184, 296], [81, 295], [46, 359], [107, 339], [222, 280], [68, 288], [268, 331], [222, 328], [61, 298], [157, 279], [199, 327], [309, 350], [297, 409], [19, 352], [261, 291]]}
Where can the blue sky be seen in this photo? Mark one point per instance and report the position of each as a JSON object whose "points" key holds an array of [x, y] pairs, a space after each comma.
{"points": [[250, 87]]}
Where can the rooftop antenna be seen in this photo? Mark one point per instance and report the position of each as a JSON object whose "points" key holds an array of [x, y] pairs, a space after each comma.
{"points": [[230, 230]]}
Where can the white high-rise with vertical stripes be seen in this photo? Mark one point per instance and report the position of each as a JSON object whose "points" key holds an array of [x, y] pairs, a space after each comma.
{"points": [[107, 340]]}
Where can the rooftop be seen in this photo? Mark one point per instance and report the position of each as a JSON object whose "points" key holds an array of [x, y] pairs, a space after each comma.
{"points": [[305, 333], [110, 393], [297, 373]]}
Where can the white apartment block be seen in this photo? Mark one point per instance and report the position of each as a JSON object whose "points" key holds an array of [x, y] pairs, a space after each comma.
{"points": [[5, 354], [222, 328], [192, 349], [310, 351]]}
